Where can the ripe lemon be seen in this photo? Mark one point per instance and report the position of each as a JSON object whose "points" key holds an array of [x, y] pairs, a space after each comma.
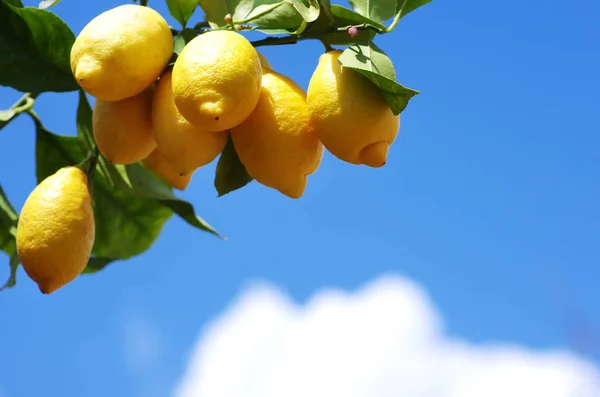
{"points": [[187, 146], [216, 80], [277, 143], [264, 61], [123, 129], [121, 52], [164, 168], [56, 229], [352, 118]]}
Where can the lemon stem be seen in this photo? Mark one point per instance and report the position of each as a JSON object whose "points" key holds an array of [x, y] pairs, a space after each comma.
{"points": [[144, 3]]}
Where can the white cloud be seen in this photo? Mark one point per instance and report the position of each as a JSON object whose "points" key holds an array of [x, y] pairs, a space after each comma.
{"points": [[385, 340]]}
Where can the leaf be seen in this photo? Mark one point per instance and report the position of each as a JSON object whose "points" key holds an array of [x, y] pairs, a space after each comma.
{"points": [[370, 61], [230, 174], [182, 10], [403, 7], [96, 264], [44, 4], [182, 38], [13, 263], [410, 6], [15, 3], [345, 17], [216, 10], [8, 224], [309, 9], [376, 10], [35, 50], [8, 234], [275, 15]]}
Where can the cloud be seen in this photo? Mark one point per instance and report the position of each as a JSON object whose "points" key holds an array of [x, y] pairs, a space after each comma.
{"points": [[385, 340]]}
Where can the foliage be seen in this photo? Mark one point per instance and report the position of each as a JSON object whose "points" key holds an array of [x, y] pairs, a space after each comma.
{"points": [[131, 203]]}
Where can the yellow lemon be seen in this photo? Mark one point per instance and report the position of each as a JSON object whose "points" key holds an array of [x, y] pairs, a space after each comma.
{"points": [[264, 61], [216, 80], [186, 145], [164, 169], [56, 229], [352, 118], [121, 52], [123, 129], [277, 143]]}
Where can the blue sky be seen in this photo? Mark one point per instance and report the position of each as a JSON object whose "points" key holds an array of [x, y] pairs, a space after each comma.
{"points": [[489, 201]]}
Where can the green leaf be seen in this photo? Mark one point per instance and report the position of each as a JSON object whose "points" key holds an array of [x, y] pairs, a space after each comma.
{"points": [[182, 38], [345, 17], [44, 4], [216, 10], [13, 263], [376, 10], [96, 264], [35, 50], [370, 61], [309, 9], [230, 174], [143, 183], [15, 3], [8, 234], [410, 6], [403, 7], [275, 15], [8, 224], [182, 10]]}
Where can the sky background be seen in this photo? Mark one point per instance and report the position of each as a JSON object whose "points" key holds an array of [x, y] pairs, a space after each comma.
{"points": [[484, 222]]}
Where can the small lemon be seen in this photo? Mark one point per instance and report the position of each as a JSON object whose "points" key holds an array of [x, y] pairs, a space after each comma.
{"points": [[123, 129], [56, 229], [164, 169], [216, 80], [277, 143], [187, 146], [352, 118], [121, 52]]}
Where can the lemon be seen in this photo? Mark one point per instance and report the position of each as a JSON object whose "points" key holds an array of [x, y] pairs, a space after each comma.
{"points": [[121, 52], [351, 117], [164, 169], [277, 143], [216, 80], [264, 61], [56, 229], [123, 129], [187, 146]]}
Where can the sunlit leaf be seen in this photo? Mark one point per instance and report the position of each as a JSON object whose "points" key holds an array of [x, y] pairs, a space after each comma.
{"points": [[370, 61], [182, 10]]}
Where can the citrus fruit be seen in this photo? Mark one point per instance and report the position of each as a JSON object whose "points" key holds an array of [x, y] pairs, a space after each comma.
{"points": [[277, 143], [216, 80], [121, 52], [186, 145], [56, 229], [123, 129], [351, 117], [164, 169]]}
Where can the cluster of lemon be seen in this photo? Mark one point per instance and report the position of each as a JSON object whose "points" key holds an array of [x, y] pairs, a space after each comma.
{"points": [[178, 119]]}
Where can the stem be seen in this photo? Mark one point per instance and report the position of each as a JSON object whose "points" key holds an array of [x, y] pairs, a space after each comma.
{"points": [[327, 46], [21, 106], [201, 25], [36, 119], [90, 162], [144, 3]]}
